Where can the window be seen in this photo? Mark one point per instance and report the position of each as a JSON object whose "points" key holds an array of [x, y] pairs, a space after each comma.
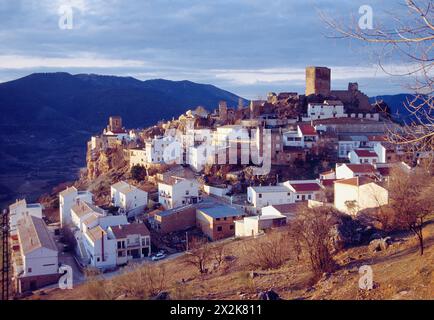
{"points": [[29, 270], [97, 259], [219, 228], [217, 219], [231, 227], [260, 196], [225, 218]]}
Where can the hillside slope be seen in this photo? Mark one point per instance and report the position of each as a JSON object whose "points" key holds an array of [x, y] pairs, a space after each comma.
{"points": [[398, 273]]}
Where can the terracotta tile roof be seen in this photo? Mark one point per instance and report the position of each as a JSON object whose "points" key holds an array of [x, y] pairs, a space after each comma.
{"points": [[377, 138], [365, 153], [361, 168], [305, 187], [83, 208], [92, 218], [289, 207], [96, 233], [357, 181], [328, 182], [307, 130], [123, 231], [327, 172], [171, 181], [34, 234], [385, 171], [68, 191]]}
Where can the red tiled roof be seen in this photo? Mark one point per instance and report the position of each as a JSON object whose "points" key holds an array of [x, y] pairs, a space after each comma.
{"points": [[365, 153], [384, 171], [327, 172], [289, 207], [123, 231], [357, 181], [377, 138], [305, 187], [328, 182], [307, 130], [361, 168]]}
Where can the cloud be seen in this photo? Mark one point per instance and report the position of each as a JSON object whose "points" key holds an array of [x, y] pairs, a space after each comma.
{"points": [[79, 61], [297, 75]]}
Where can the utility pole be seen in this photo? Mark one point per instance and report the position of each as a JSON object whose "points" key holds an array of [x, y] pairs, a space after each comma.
{"points": [[5, 254]]}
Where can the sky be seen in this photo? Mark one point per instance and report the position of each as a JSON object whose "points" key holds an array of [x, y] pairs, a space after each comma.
{"points": [[249, 47]]}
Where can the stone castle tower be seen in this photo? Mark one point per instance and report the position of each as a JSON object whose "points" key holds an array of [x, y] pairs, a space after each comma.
{"points": [[115, 124], [223, 110], [318, 81]]}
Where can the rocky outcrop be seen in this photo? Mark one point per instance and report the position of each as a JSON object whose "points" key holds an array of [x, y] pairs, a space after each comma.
{"points": [[102, 161]]}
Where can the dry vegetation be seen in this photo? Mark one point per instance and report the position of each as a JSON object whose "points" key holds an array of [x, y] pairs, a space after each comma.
{"points": [[400, 272]]}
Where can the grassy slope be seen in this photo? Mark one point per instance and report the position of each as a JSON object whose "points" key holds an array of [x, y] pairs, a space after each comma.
{"points": [[399, 273]]}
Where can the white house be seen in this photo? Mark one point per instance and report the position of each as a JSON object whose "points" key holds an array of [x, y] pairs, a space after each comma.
{"points": [[175, 192], [68, 198], [288, 210], [356, 194], [161, 150], [303, 190], [130, 199], [262, 196], [305, 137], [346, 144], [328, 109], [34, 255], [363, 156], [252, 226], [327, 175], [21, 208], [381, 152], [100, 248], [199, 155], [133, 241], [81, 211], [224, 134], [349, 170], [137, 157]]}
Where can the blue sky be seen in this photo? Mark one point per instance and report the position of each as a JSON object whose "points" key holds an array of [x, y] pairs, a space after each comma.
{"points": [[249, 47]]}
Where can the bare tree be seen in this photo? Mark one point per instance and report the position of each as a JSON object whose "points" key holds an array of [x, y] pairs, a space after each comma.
{"points": [[412, 201], [267, 252], [219, 253], [199, 254], [313, 229], [408, 37]]}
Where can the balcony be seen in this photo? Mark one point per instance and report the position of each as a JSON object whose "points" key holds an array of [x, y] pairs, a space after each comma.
{"points": [[165, 195], [133, 244]]}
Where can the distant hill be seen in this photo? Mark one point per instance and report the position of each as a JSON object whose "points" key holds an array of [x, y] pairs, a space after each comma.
{"points": [[46, 119], [86, 100], [396, 103]]}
